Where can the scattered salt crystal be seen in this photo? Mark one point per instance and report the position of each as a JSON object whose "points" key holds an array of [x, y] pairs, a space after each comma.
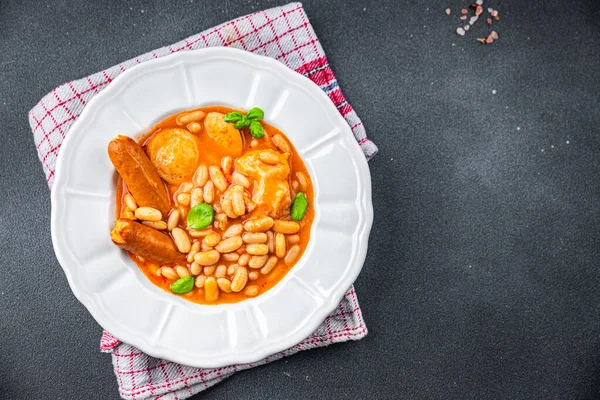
{"points": [[479, 2], [473, 20], [463, 18], [448, 11], [460, 31], [518, 128], [567, 142], [490, 10], [494, 91]]}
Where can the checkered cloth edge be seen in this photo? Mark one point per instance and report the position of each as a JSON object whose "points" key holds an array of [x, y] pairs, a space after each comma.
{"points": [[143, 377], [283, 33]]}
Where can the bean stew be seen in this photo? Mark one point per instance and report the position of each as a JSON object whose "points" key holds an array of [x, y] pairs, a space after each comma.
{"points": [[213, 204]]}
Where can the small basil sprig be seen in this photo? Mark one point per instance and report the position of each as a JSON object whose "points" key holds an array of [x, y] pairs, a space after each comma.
{"points": [[183, 285], [200, 216], [251, 120], [299, 207]]}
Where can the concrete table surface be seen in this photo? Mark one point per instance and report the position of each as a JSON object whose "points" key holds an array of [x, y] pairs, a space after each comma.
{"points": [[482, 275]]}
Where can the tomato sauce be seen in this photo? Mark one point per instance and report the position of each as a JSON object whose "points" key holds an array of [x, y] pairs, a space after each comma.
{"points": [[212, 154]]}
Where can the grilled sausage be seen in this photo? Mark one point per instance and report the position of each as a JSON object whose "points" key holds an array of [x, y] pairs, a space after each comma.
{"points": [[139, 174], [145, 242]]}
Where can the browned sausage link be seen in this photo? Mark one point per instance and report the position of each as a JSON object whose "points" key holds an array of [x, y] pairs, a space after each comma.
{"points": [[145, 242], [139, 174]]}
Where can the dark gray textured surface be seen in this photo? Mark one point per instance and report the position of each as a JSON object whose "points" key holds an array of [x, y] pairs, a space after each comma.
{"points": [[482, 274]]}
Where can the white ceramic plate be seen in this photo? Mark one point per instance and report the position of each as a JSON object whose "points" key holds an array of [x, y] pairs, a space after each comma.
{"points": [[112, 287]]}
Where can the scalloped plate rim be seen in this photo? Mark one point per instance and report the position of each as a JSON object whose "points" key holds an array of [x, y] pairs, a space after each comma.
{"points": [[366, 212]]}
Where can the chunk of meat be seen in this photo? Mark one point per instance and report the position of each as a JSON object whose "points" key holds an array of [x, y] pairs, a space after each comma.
{"points": [[145, 242], [174, 153], [139, 174], [271, 188], [223, 133]]}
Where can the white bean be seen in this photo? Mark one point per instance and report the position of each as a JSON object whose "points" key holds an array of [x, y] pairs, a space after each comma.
{"points": [[211, 290], [257, 262], [209, 192], [287, 227], [251, 290], [197, 196], [173, 220], [229, 245], [209, 257], [169, 273], [255, 237], [158, 225], [182, 271], [291, 255], [268, 267], [240, 179], [240, 278], [224, 284], [192, 116], [148, 214], [182, 240], [216, 175], [259, 224], [184, 199], [237, 201], [233, 230], [281, 143], [280, 247], [130, 202], [200, 176]]}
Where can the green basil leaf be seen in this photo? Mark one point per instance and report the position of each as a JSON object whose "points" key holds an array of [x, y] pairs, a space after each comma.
{"points": [[233, 117], [200, 216], [299, 207], [242, 122], [257, 130], [183, 285], [255, 114]]}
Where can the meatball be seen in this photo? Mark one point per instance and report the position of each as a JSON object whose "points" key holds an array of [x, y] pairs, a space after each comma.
{"points": [[174, 153]]}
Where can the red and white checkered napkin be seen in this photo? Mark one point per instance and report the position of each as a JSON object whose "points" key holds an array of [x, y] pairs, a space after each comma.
{"points": [[283, 33], [143, 377]]}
